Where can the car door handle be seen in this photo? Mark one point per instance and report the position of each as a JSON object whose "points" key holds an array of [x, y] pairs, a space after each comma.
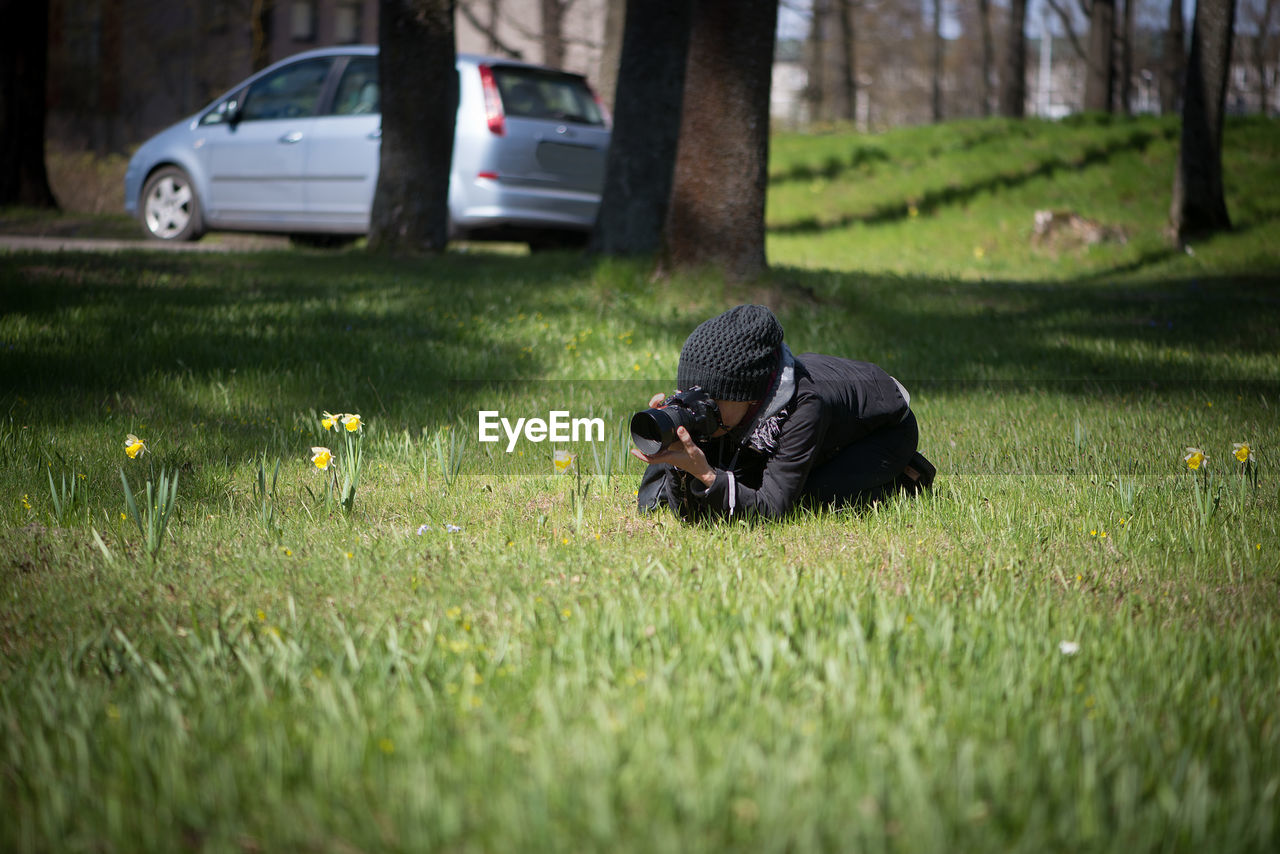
{"points": [[291, 137], [375, 134]]}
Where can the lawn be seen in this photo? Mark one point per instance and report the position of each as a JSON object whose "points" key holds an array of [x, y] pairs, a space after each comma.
{"points": [[1071, 643]]}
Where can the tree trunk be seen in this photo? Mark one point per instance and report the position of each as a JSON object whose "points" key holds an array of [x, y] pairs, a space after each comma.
{"points": [[717, 203], [988, 54], [24, 67], [646, 128], [936, 100], [1013, 86], [419, 83], [615, 19], [1173, 70], [816, 90], [848, 63], [1124, 78], [1100, 73], [552, 16], [1199, 206], [260, 14]]}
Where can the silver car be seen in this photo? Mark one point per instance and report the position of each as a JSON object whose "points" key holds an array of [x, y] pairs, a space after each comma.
{"points": [[294, 149]]}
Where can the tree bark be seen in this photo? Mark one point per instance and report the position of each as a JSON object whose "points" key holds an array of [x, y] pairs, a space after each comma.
{"points": [[1199, 206], [24, 67], [1013, 86], [988, 54], [1174, 67], [936, 100], [848, 62], [615, 21], [815, 91], [419, 92], [717, 203], [646, 128], [552, 16], [1100, 73], [1124, 78]]}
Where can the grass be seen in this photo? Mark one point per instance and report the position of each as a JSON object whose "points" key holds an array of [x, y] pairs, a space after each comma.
{"points": [[498, 658]]}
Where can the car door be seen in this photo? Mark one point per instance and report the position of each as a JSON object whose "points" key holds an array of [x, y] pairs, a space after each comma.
{"points": [[256, 158], [342, 158]]}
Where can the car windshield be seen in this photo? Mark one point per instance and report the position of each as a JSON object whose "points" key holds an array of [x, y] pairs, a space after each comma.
{"points": [[534, 94]]}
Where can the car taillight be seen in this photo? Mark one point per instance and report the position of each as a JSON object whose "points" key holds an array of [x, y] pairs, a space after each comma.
{"points": [[492, 102]]}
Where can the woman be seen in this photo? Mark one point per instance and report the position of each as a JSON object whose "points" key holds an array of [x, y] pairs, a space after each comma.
{"points": [[809, 428]]}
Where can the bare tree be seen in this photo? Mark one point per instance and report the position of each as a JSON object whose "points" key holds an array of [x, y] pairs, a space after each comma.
{"points": [[936, 100], [848, 60], [646, 128], [717, 203], [1124, 46], [24, 45], [552, 14], [1013, 84], [615, 19], [1174, 67], [1199, 206], [988, 54], [1099, 81], [815, 91], [1262, 46], [489, 27], [419, 81]]}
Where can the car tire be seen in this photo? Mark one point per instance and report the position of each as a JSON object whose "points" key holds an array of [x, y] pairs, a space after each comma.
{"points": [[170, 207]]}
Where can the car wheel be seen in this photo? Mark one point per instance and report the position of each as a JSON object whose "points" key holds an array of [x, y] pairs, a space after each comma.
{"points": [[170, 206]]}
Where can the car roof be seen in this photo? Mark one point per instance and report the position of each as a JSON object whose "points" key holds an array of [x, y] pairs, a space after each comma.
{"points": [[372, 50]]}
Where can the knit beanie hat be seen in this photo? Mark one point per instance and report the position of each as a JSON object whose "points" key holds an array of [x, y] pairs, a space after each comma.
{"points": [[733, 356]]}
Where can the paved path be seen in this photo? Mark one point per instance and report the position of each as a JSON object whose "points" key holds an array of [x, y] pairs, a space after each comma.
{"points": [[224, 243]]}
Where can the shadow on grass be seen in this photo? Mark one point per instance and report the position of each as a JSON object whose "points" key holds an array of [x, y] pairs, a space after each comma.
{"points": [[1095, 154]]}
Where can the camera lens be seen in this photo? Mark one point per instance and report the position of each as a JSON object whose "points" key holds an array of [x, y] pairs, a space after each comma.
{"points": [[652, 430]]}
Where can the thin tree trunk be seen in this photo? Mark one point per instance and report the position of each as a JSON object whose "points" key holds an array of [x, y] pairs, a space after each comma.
{"points": [[717, 203], [419, 83], [1173, 71], [24, 68], [937, 61], [848, 63], [552, 15], [1125, 75], [816, 89], [1199, 205], [615, 19], [988, 55], [646, 128], [1100, 74], [1013, 86]]}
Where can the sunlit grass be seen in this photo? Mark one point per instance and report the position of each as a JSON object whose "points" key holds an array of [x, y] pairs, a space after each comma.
{"points": [[1069, 644]]}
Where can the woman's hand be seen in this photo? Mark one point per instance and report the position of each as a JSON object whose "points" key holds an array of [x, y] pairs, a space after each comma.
{"points": [[685, 454]]}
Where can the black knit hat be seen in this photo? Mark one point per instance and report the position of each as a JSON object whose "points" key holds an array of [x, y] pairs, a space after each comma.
{"points": [[733, 356]]}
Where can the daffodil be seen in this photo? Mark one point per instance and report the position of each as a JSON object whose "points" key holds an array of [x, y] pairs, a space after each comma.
{"points": [[1242, 452], [1196, 459], [328, 420], [134, 447], [322, 457], [563, 461], [351, 422]]}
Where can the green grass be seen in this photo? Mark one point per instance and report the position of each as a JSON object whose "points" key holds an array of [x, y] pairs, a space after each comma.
{"points": [[559, 674]]}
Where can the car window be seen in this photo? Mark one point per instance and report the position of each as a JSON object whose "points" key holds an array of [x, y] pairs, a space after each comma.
{"points": [[289, 93], [530, 93], [358, 92]]}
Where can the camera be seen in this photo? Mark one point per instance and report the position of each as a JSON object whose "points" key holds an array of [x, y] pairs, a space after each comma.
{"points": [[655, 429]]}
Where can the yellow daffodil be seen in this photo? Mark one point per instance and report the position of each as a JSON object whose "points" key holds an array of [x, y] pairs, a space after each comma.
{"points": [[134, 447], [351, 422], [1196, 459], [563, 461], [328, 420], [322, 457], [1243, 452]]}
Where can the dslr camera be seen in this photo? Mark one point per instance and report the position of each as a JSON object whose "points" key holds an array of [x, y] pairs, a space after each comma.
{"points": [[655, 429]]}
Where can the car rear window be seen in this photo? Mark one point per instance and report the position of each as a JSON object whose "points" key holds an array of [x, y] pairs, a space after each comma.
{"points": [[533, 94]]}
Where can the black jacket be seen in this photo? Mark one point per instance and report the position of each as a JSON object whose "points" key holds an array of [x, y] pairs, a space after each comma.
{"points": [[761, 467]]}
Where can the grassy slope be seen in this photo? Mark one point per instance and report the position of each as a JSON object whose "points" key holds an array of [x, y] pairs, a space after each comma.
{"points": [[560, 675]]}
